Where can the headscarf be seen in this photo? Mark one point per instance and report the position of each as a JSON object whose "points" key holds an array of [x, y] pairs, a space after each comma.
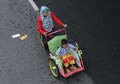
{"points": [[47, 22]]}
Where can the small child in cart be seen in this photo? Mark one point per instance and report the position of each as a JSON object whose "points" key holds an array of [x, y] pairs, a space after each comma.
{"points": [[67, 58]]}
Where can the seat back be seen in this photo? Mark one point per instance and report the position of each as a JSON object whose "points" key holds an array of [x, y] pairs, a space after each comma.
{"points": [[55, 43]]}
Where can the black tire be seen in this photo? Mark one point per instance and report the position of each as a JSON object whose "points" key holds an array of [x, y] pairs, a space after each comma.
{"points": [[81, 61], [41, 42], [53, 68]]}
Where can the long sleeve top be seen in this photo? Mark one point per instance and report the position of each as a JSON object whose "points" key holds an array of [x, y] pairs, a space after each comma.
{"points": [[54, 18]]}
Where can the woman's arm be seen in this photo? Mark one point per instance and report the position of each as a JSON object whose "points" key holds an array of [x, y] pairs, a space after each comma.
{"points": [[40, 29], [56, 19]]}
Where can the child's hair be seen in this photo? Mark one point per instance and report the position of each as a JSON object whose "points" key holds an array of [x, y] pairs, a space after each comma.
{"points": [[64, 41]]}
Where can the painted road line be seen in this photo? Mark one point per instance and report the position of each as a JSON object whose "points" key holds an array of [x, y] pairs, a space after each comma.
{"points": [[34, 5], [16, 35], [23, 37]]}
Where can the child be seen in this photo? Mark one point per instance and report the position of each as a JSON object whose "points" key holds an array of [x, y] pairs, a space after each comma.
{"points": [[67, 58]]}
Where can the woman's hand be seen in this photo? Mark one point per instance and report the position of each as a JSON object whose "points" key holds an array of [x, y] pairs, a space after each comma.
{"points": [[45, 33], [64, 25]]}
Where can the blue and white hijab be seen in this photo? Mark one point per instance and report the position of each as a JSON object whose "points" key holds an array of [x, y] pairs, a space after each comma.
{"points": [[47, 22]]}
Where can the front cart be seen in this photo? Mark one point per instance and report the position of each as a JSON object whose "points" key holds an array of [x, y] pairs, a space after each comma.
{"points": [[55, 64]]}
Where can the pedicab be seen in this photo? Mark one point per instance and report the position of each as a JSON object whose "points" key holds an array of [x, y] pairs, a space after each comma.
{"points": [[55, 64]]}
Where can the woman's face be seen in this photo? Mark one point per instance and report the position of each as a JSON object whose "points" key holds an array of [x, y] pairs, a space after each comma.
{"points": [[45, 13]]}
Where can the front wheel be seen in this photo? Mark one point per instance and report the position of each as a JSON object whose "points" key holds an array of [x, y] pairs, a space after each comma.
{"points": [[53, 68]]}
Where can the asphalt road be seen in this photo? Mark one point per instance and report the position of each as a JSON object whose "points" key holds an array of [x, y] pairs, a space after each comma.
{"points": [[93, 24]]}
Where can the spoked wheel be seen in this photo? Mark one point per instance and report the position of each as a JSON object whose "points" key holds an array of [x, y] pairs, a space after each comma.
{"points": [[53, 68], [40, 39], [81, 62]]}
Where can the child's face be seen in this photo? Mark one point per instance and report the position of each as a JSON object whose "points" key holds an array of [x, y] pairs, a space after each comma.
{"points": [[65, 45], [45, 13]]}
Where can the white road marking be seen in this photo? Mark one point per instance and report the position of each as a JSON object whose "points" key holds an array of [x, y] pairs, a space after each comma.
{"points": [[16, 35], [34, 5]]}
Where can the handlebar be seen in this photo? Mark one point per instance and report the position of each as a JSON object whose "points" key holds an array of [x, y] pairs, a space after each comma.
{"points": [[55, 31]]}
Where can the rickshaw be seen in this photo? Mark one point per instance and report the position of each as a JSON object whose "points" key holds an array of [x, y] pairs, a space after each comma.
{"points": [[55, 64]]}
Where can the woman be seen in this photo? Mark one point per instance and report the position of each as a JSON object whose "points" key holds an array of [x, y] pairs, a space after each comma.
{"points": [[45, 22]]}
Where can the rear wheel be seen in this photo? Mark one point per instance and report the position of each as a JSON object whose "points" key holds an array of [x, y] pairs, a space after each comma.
{"points": [[40, 39], [53, 68]]}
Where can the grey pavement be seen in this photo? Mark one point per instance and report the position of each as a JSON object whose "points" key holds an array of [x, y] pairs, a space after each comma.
{"points": [[25, 62]]}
